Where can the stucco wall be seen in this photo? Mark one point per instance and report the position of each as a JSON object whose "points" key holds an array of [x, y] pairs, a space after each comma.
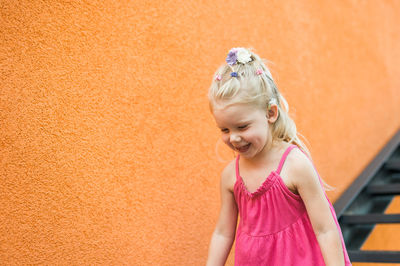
{"points": [[107, 145]]}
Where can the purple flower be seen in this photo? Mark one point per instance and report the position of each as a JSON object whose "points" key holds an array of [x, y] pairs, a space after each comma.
{"points": [[232, 57], [234, 74]]}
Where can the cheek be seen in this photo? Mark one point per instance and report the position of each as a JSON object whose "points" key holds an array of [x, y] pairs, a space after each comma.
{"points": [[259, 135], [225, 139]]}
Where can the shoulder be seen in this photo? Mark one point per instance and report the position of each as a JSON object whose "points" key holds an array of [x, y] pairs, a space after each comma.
{"points": [[299, 161], [228, 175], [301, 170]]}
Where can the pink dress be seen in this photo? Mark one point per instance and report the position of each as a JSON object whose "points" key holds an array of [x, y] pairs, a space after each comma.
{"points": [[274, 227]]}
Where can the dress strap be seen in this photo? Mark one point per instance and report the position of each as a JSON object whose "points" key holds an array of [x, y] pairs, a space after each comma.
{"points": [[283, 159], [237, 168], [285, 154]]}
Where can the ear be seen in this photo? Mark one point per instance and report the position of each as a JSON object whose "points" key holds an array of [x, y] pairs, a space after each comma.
{"points": [[272, 113]]}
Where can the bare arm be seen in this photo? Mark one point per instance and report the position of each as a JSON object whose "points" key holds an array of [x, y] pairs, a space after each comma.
{"points": [[317, 205], [224, 233]]}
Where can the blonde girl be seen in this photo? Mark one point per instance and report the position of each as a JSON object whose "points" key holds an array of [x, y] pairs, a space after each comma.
{"points": [[272, 184]]}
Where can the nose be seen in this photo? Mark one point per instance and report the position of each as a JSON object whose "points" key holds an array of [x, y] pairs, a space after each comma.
{"points": [[234, 137]]}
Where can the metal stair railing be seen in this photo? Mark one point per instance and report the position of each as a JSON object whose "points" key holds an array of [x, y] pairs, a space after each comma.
{"points": [[363, 204]]}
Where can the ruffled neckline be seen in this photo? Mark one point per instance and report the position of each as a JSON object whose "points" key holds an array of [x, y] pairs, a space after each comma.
{"points": [[268, 182]]}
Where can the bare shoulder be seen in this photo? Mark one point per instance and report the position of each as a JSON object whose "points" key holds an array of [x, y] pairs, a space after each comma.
{"points": [[228, 176], [300, 169]]}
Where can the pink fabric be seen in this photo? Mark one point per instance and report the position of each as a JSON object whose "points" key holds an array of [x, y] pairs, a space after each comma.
{"points": [[274, 227]]}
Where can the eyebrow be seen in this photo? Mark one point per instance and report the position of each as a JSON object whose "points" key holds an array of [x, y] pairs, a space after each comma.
{"points": [[239, 123], [244, 121]]}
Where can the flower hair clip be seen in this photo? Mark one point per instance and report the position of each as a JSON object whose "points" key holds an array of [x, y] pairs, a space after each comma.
{"points": [[218, 77], [234, 74], [238, 55], [259, 72]]}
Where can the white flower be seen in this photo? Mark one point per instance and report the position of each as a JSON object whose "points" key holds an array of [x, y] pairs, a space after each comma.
{"points": [[243, 56]]}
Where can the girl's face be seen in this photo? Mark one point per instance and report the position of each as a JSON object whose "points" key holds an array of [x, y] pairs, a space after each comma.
{"points": [[244, 128]]}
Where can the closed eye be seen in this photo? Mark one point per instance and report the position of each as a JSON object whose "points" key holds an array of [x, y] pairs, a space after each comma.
{"points": [[243, 127], [224, 130]]}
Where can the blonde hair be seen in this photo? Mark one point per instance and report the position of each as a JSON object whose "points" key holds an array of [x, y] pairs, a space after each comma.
{"points": [[252, 83]]}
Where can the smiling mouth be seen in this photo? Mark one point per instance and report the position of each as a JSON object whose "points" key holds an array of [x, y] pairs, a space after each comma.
{"points": [[243, 148]]}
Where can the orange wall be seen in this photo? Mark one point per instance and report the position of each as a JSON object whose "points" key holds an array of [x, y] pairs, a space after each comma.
{"points": [[107, 144]]}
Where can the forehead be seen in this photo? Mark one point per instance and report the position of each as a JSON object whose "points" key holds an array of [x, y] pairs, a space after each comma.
{"points": [[236, 113]]}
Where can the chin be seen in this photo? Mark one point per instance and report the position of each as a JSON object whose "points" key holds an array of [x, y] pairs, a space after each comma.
{"points": [[248, 155]]}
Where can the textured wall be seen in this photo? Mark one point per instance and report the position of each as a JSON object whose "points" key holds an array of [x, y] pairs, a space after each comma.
{"points": [[107, 145]]}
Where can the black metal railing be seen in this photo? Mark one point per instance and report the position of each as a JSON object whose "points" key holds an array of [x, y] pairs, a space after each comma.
{"points": [[363, 204]]}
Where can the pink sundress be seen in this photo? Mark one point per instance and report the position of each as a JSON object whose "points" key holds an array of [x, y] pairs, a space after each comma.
{"points": [[274, 227]]}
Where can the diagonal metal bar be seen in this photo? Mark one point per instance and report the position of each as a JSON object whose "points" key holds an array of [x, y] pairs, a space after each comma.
{"points": [[364, 178]]}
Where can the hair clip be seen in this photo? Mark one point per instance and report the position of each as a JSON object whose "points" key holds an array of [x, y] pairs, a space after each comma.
{"points": [[272, 101], [218, 77], [234, 74], [238, 55], [259, 71]]}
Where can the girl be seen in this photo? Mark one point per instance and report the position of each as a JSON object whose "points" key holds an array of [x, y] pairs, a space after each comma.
{"points": [[285, 215]]}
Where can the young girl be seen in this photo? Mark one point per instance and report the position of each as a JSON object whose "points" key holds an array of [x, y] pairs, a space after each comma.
{"points": [[285, 215]]}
